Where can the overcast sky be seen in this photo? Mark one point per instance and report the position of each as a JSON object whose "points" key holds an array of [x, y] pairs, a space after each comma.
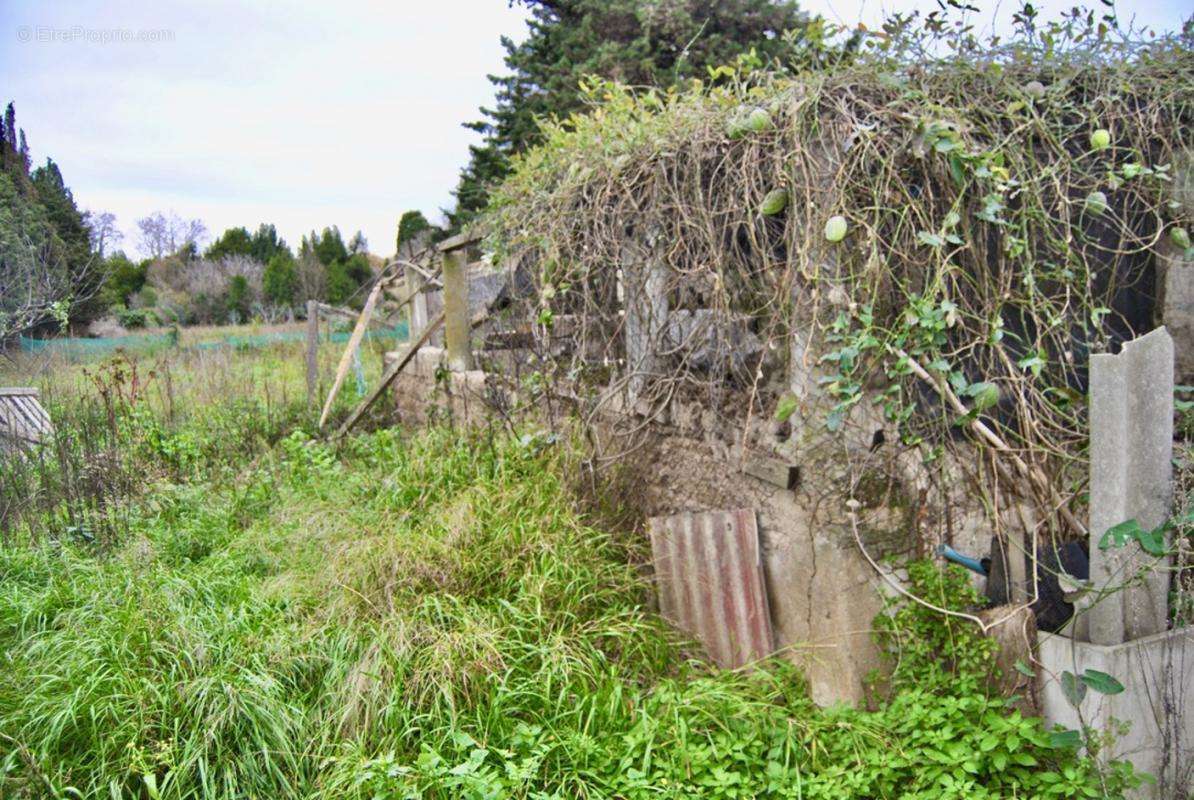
{"points": [[304, 114]]}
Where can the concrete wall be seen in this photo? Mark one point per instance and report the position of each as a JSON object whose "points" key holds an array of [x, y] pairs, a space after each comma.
{"points": [[1145, 720]]}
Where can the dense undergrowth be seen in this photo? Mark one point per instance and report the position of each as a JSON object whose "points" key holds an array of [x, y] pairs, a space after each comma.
{"points": [[431, 616]]}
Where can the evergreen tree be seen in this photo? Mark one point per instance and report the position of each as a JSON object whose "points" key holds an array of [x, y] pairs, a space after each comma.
{"points": [[238, 298], [233, 242], [279, 282], [267, 244], [46, 264], [340, 285], [640, 42], [63, 214], [123, 279], [329, 247]]}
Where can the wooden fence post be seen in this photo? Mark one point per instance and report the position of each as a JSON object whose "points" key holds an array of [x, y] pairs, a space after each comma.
{"points": [[312, 352]]}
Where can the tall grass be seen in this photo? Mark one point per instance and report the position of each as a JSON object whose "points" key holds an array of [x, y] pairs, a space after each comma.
{"points": [[127, 423], [425, 616]]}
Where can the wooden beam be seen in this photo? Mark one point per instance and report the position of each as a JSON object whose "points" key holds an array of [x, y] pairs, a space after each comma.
{"points": [[456, 324], [355, 341], [390, 374]]}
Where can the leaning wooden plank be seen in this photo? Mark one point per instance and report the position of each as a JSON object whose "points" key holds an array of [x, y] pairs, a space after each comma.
{"points": [[355, 341], [390, 374]]}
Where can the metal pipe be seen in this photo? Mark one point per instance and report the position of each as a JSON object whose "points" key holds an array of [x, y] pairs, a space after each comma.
{"points": [[950, 554]]}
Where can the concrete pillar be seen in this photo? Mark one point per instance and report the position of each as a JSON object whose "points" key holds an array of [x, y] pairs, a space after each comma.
{"points": [[1131, 477], [418, 305], [457, 330], [1175, 306]]}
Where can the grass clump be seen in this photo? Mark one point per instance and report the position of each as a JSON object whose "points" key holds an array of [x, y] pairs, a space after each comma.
{"points": [[431, 617]]}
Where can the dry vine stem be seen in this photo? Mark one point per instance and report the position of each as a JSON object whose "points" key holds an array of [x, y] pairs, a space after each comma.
{"points": [[673, 261]]}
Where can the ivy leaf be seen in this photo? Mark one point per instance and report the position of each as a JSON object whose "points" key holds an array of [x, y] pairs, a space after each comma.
{"points": [[1066, 739], [1024, 669], [930, 239], [985, 395], [1119, 535], [1073, 689], [1033, 362], [1101, 682], [1151, 541], [955, 170]]}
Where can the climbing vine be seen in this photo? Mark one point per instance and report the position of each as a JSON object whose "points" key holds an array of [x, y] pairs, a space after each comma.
{"points": [[935, 235]]}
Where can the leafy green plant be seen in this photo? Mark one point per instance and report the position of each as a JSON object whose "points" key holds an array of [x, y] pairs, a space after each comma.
{"points": [[429, 616]]}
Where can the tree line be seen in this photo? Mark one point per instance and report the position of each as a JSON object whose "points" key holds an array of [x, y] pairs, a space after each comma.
{"points": [[62, 267], [237, 277], [47, 243]]}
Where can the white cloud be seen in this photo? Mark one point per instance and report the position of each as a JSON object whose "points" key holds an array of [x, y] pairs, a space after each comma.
{"points": [[306, 116], [301, 114]]}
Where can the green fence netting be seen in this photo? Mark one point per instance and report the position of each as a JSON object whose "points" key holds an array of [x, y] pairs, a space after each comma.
{"points": [[79, 349]]}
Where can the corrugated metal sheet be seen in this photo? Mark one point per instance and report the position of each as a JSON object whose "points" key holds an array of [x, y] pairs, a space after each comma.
{"points": [[22, 419], [709, 576]]}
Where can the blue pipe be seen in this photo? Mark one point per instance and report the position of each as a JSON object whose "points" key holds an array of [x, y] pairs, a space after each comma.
{"points": [[950, 554]]}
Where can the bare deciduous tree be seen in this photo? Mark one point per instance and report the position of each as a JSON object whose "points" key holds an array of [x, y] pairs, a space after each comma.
{"points": [[312, 277], [102, 227], [163, 235], [37, 284]]}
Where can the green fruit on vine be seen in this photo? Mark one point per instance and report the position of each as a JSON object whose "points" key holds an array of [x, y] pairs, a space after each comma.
{"points": [[1100, 139], [1096, 202], [1180, 237], [736, 129], [775, 202], [758, 121], [835, 228]]}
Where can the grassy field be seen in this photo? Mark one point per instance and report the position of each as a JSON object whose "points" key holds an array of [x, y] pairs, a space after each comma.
{"points": [[201, 599]]}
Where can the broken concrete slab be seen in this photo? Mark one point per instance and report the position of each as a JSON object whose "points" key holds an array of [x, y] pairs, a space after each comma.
{"points": [[1157, 673], [1131, 478]]}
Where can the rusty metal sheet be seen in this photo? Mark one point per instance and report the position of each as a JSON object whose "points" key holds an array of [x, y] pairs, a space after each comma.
{"points": [[709, 577]]}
